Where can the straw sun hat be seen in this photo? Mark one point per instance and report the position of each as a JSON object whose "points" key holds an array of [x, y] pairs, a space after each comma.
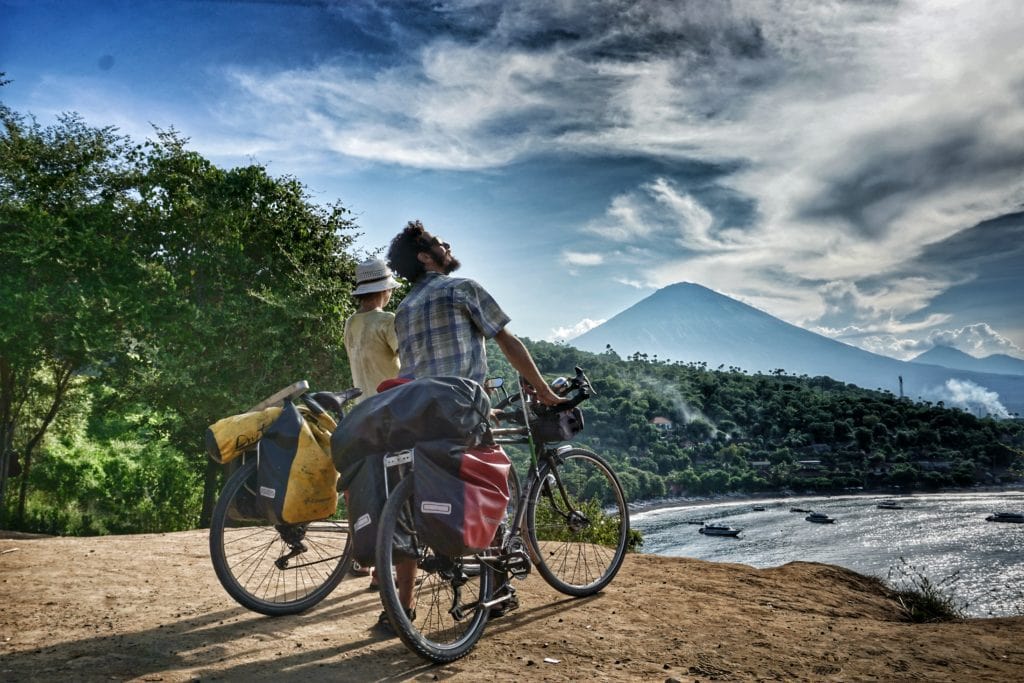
{"points": [[373, 276]]}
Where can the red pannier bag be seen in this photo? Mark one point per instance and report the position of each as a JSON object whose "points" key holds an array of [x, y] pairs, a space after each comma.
{"points": [[460, 495]]}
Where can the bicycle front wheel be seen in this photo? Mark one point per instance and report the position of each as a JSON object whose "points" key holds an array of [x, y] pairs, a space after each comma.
{"points": [[449, 593], [273, 569], [577, 522]]}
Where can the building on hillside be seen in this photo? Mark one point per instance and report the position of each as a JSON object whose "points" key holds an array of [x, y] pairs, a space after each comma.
{"points": [[662, 423]]}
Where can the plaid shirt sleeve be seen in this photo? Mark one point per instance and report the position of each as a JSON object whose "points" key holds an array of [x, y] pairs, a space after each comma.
{"points": [[481, 308]]}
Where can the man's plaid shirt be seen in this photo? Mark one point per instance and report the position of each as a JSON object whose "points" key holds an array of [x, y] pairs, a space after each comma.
{"points": [[442, 325]]}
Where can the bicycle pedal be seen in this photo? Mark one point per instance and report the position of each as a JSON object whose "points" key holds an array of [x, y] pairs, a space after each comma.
{"points": [[518, 564]]}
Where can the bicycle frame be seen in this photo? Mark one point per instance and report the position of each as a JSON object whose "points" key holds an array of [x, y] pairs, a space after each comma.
{"points": [[555, 529], [513, 532]]}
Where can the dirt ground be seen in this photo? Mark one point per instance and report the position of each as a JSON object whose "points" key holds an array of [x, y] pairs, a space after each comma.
{"points": [[149, 608]]}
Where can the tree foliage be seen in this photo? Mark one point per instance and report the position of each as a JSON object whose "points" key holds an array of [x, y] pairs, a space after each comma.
{"points": [[731, 431], [71, 287], [187, 290]]}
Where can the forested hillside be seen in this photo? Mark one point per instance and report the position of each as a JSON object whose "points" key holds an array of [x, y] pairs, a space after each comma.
{"points": [[681, 428]]}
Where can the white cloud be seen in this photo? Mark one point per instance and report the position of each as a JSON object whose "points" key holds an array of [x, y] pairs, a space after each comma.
{"points": [[978, 340], [577, 258], [660, 221], [567, 333]]}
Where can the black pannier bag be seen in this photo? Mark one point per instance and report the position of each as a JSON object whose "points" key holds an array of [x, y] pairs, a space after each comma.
{"points": [[363, 483], [246, 506], [453, 409], [460, 495], [560, 426], [397, 419]]}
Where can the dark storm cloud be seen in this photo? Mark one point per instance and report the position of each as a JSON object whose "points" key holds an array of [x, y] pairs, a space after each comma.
{"points": [[884, 174], [989, 259]]}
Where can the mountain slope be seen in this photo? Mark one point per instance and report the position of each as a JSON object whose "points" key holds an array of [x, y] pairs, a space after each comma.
{"points": [[690, 323], [948, 357]]}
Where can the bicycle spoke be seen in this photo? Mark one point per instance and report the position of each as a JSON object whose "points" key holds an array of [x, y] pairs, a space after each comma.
{"points": [[578, 523], [437, 631], [246, 553]]}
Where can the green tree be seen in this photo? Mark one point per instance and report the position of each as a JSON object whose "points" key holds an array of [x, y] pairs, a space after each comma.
{"points": [[193, 290], [257, 286], [71, 284]]}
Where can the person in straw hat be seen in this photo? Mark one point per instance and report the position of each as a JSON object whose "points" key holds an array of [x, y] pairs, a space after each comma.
{"points": [[370, 341], [370, 333]]}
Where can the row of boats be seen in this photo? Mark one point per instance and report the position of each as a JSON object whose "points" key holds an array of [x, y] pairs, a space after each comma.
{"points": [[822, 518]]}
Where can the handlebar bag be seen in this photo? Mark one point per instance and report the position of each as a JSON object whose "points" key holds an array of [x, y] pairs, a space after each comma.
{"points": [[426, 409], [460, 496], [296, 477], [559, 426]]}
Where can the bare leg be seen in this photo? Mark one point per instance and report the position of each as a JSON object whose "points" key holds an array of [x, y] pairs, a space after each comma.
{"points": [[405, 579]]}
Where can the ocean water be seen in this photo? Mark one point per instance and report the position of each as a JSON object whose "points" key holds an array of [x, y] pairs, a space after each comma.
{"points": [[941, 536]]}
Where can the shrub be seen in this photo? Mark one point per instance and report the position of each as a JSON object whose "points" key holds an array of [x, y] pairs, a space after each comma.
{"points": [[88, 487], [924, 600]]}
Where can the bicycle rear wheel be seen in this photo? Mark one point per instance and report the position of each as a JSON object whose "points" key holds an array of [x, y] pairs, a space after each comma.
{"points": [[273, 569], [577, 522], [449, 613]]}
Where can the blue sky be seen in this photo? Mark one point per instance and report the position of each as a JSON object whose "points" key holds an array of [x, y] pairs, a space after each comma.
{"points": [[855, 168]]}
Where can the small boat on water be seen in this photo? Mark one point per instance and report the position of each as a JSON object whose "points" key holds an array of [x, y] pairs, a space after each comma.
{"points": [[695, 521], [718, 530], [799, 510], [758, 508], [889, 505], [820, 518], [1012, 517]]}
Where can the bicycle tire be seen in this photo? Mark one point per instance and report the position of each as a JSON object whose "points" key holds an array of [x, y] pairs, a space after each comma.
{"points": [[442, 584], [578, 537], [246, 548]]}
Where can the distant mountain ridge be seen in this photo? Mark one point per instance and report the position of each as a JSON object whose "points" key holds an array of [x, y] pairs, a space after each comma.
{"points": [[948, 357], [691, 323]]}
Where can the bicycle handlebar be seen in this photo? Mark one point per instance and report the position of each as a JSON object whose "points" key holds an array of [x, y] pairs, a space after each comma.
{"points": [[580, 384]]}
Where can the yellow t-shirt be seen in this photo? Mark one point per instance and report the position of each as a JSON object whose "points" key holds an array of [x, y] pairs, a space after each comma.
{"points": [[372, 347]]}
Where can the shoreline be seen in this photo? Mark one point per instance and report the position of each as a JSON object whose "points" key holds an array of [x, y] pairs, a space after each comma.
{"points": [[658, 504]]}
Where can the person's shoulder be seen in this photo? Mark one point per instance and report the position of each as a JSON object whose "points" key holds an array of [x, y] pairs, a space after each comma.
{"points": [[465, 284]]}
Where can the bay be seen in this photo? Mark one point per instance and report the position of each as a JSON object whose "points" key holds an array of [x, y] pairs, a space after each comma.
{"points": [[942, 536]]}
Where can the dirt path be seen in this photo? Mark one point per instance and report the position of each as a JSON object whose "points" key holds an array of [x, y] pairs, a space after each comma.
{"points": [[149, 608]]}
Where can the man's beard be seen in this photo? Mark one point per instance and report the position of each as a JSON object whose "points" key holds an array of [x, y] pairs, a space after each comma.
{"points": [[448, 267]]}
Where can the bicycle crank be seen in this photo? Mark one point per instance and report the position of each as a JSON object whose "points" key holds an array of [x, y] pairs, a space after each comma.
{"points": [[515, 560]]}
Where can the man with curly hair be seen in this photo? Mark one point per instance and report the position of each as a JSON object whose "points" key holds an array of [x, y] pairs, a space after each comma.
{"points": [[443, 322], [442, 326]]}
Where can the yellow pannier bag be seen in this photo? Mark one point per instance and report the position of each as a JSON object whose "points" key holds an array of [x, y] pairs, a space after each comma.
{"points": [[296, 476], [228, 438], [312, 489]]}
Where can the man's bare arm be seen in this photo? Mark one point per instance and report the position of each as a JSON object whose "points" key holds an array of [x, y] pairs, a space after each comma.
{"points": [[520, 359]]}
